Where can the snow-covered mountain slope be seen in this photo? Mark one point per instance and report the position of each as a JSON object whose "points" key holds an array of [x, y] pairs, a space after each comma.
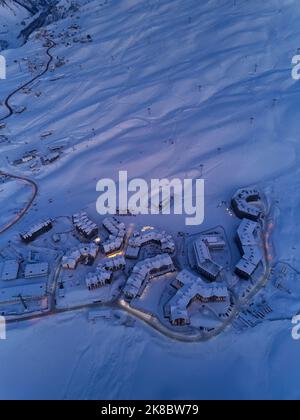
{"points": [[67, 357], [212, 79], [19, 19], [166, 88], [11, 19]]}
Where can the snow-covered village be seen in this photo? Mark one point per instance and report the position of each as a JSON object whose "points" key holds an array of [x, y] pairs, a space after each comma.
{"points": [[182, 285], [110, 289]]}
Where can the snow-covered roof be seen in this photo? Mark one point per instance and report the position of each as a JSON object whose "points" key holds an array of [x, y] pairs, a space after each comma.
{"points": [[99, 278], [35, 290], [51, 157], [84, 224], [37, 228], [36, 270], [10, 270], [142, 238], [205, 263], [74, 256], [243, 203], [252, 251], [113, 225], [143, 269], [113, 263], [104, 271], [193, 287], [116, 238], [246, 232]]}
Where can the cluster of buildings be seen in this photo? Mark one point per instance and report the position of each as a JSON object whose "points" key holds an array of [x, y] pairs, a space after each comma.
{"points": [[242, 203], [24, 284], [117, 233], [140, 239], [104, 272], [85, 226], [37, 230], [248, 242], [192, 288], [202, 250], [31, 155], [84, 253], [146, 270]]}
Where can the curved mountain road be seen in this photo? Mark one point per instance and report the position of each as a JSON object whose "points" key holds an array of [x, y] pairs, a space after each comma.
{"points": [[10, 112], [12, 94], [28, 205]]}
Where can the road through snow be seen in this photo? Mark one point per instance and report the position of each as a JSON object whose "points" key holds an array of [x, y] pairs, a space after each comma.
{"points": [[25, 85]]}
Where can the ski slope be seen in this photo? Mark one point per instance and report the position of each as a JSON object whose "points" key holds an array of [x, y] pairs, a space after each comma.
{"points": [[167, 88]]}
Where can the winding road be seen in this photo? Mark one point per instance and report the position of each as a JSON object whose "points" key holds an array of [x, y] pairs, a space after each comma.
{"points": [[28, 205], [12, 94], [10, 112]]}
